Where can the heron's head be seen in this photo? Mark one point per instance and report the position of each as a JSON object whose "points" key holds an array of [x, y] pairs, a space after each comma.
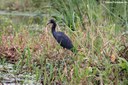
{"points": [[51, 21]]}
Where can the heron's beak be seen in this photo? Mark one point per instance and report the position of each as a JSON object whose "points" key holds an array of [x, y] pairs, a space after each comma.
{"points": [[48, 23]]}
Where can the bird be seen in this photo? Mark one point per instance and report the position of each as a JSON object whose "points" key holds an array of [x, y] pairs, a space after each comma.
{"points": [[61, 37]]}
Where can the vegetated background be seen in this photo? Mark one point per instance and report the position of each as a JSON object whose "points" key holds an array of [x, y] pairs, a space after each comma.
{"points": [[30, 55]]}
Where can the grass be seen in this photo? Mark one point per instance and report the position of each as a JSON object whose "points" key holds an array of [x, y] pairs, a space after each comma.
{"points": [[99, 34]]}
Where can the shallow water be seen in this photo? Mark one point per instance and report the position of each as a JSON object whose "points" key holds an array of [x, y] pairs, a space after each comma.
{"points": [[8, 76]]}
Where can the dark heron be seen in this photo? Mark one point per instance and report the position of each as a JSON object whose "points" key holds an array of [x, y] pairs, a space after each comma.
{"points": [[61, 38]]}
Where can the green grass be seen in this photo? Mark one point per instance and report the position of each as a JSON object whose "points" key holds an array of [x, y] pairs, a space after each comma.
{"points": [[96, 29]]}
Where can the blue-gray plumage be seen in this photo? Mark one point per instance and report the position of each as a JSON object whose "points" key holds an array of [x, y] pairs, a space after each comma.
{"points": [[61, 38]]}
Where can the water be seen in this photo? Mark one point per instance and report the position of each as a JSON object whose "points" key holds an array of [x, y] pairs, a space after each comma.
{"points": [[16, 13], [8, 76]]}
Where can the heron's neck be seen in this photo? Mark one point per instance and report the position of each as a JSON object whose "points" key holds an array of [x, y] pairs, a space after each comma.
{"points": [[53, 27]]}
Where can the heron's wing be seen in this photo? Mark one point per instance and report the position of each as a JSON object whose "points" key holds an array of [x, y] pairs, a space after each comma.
{"points": [[63, 40], [60, 36]]}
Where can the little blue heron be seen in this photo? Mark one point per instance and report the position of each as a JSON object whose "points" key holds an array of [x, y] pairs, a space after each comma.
{"points": [[61, 38]]}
